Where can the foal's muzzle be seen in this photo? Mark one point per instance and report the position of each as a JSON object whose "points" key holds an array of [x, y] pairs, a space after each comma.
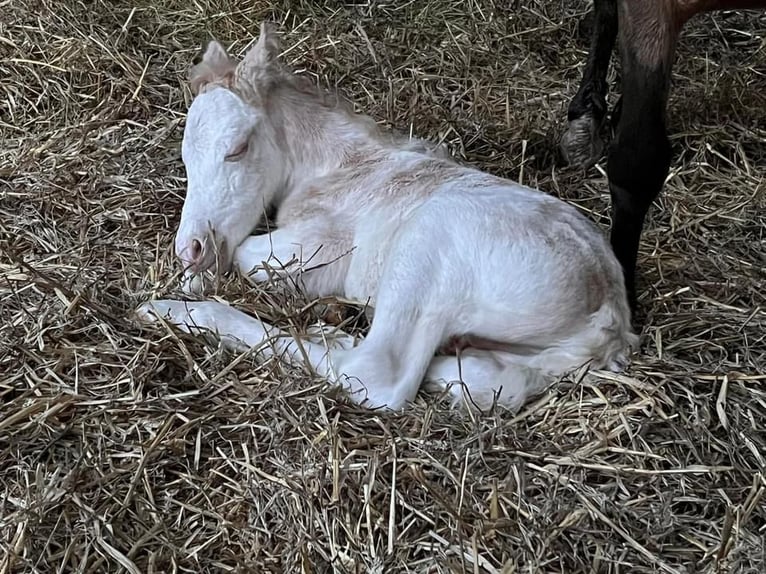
{"points": [[201, 252]]}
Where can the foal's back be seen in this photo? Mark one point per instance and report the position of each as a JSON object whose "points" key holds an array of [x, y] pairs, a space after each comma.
{"points": [[495, 242]]}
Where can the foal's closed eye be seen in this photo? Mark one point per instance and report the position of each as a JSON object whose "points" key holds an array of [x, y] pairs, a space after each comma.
{"points": [[238, 152]]}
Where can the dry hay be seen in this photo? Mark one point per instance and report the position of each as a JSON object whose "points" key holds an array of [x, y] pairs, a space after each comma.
{"points": [[144, 451]]}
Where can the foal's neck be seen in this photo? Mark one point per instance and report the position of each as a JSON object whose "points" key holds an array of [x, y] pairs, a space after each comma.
{"points": [[318, 139]]}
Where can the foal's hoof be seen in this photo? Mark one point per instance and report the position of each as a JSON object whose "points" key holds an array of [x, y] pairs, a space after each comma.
{"points": [[169, 310], [581, 145], [146, 314], [189, 316], [371, 398], [619, 363], [196, 284]]}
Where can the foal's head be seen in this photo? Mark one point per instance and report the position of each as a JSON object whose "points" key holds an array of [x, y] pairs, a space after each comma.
{"points": [[229, 149]]}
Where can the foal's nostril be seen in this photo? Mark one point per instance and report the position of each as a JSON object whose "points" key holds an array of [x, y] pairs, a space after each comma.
{"points": [[196, 249]]}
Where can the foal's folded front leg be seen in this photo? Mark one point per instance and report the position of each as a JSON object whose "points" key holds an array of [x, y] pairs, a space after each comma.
{"points": [[280, 252], [260, 257], [239, 331]]}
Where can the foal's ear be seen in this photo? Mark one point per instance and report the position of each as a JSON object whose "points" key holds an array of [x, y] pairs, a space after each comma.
{"points": [[261, 60], [216, 66]]}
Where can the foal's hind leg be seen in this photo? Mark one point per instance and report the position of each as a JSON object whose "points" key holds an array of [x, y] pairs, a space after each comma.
{"points": [[639, 156], [386, 369], [479, 378], [581, 144], [412, 313]]}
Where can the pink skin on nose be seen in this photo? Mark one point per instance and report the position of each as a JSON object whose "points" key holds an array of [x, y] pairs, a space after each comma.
{"points": [[191, 253], [200, 252]]}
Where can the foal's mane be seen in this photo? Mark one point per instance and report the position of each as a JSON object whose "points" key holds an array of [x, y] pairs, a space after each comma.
{"points": [[302, 87], [260, 85]]}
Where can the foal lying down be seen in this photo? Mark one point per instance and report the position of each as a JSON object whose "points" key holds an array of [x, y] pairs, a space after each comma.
{"points": [[527, 286]]}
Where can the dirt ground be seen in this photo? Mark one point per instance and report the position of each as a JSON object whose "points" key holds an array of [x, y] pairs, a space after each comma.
{"points": [[141, 450]]}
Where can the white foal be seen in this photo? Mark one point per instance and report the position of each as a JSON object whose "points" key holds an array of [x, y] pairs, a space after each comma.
{"points": [[445, 254]]}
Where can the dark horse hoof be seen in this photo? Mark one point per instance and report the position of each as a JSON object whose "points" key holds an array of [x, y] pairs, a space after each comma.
{"points": [[581, 144]]}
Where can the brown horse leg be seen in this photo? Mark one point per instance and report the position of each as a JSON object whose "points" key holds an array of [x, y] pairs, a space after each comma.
{"points": [[581, 144], [640, 154]]}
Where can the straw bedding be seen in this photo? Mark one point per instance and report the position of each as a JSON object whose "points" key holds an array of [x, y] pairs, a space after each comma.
{"points": [[125, 449]]}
